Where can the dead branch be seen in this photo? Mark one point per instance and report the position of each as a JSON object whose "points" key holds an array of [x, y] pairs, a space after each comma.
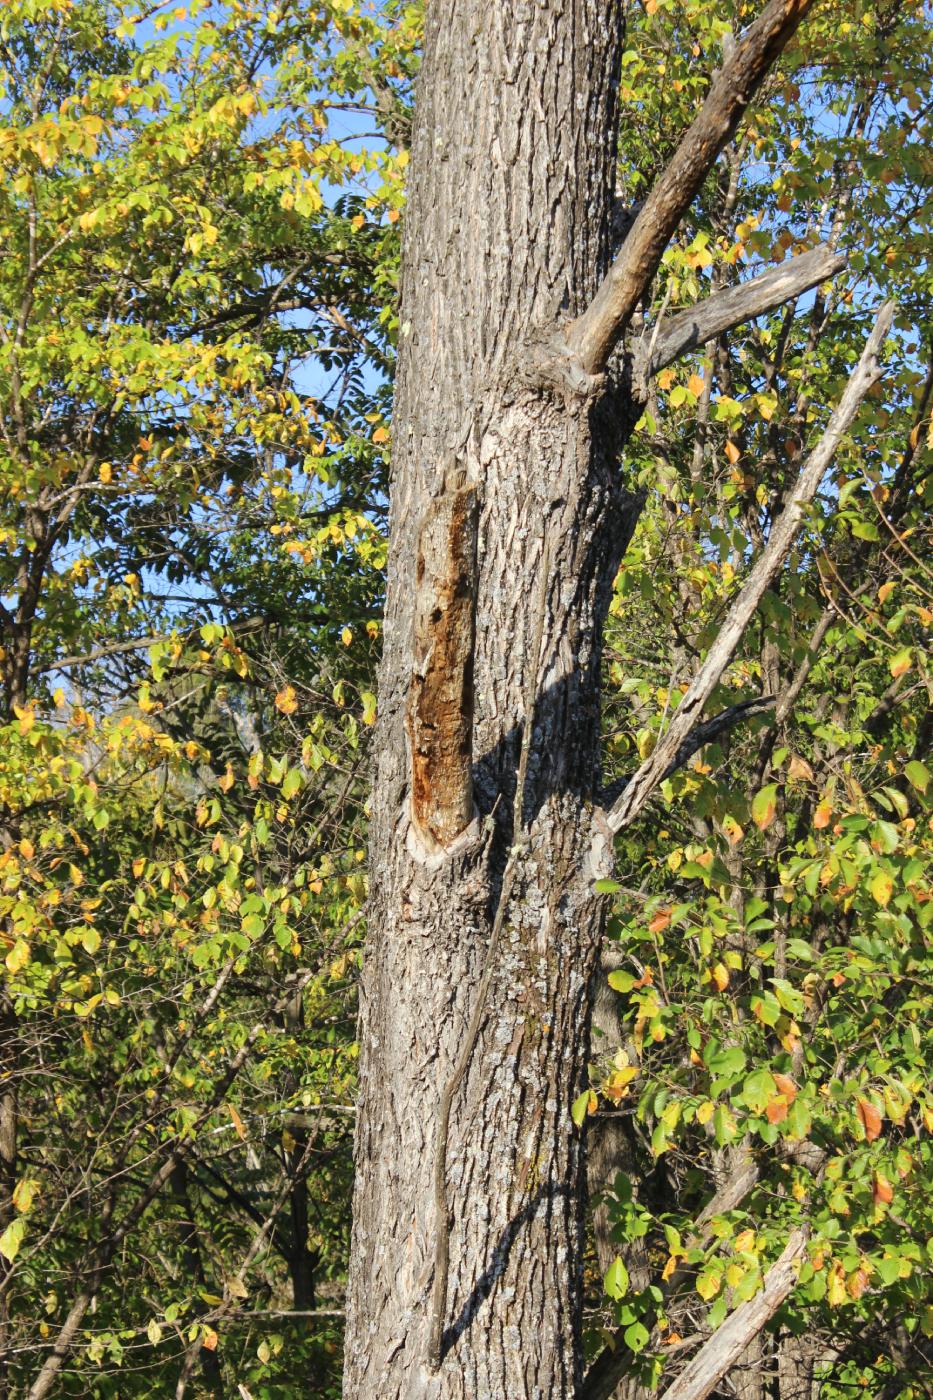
{"points": [[783, 533], [591, 338]]}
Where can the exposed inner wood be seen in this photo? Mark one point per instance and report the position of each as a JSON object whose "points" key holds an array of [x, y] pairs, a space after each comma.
{"points": [[440, 705]]}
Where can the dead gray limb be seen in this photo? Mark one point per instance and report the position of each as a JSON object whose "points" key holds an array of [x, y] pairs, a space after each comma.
{"points": [[783, 533], [703, 1373], [733, 307], [592, 337]]}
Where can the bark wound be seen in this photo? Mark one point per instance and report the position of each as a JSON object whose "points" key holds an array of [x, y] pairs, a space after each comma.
{"points": [[440, 702]]}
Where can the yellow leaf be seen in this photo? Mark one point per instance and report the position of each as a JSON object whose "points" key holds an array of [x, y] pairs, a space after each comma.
{"points": [[105, 472], [720, 975], [239, 1126], [732, 452], [26, 718], [18, 956], [696, 384], [616, 1086], [836, 1287], [799, 769], [708, 1286], [226, 782], [705, 1111], [346, 636], [882, 887], [744, 1242], [885, 591], [286, 700], [26, 849], [24, 1193], [900, 662]]}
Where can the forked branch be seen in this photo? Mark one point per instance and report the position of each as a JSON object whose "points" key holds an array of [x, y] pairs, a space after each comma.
{"points": [[646, 778], [591, 338]]}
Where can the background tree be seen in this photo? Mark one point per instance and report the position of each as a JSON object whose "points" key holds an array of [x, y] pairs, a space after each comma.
{"points": [[198, 261]]}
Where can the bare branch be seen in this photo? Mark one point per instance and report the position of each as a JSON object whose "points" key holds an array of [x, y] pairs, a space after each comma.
{"points": [[651, 773], [704, 734], [701, 1375], [592, 337], [723, 310]]}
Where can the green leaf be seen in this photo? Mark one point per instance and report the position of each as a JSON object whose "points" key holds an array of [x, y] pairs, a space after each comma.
{"points": [[12, 1238], [582, 1105], [917, 774], [636, 1337], [764, 806], [291, 783], [616, 1281]]}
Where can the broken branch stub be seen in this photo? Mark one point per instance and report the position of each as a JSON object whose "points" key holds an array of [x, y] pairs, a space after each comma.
{"points": [[440, 701]]}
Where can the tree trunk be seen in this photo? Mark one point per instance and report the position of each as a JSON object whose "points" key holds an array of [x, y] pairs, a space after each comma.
{"points": [[507, 231]]}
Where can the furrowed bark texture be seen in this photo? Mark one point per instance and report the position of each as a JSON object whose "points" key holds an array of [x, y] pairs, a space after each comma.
{"points": [[506, 232]]}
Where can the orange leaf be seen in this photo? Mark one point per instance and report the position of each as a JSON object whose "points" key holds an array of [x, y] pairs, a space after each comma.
{"points": [[799, 768], [696, 384], [209, 1339], [786, 1085], [822, 815], [732, 452], [777, 1110], [857, 1283], [870, 1119], [660, 921], [883, 1190], [239, 1127], [286, 700]]}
